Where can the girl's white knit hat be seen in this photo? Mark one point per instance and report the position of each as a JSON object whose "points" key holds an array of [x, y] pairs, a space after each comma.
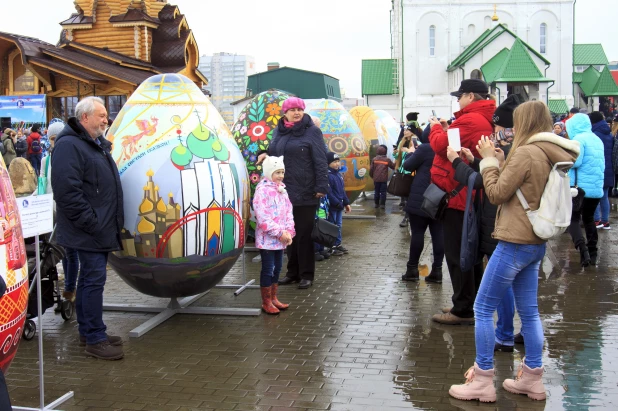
{"points": [[272, 164]]}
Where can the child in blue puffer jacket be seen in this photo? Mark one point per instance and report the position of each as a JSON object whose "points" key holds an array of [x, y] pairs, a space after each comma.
{"points": [[337, 198], [587, 173]]}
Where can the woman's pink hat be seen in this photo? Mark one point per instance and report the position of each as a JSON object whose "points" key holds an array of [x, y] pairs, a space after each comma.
{"points": [[293, 102]]}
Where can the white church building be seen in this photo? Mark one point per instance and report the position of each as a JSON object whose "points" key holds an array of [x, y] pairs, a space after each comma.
{"points": [[516, 46]]}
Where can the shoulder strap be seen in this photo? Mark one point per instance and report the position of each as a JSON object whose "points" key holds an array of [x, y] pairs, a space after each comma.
{"points": [[456, 191], [522, 200]]}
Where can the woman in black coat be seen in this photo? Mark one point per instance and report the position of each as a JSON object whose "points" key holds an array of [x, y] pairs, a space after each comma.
{"points": [[419, 160], [302, 146]]}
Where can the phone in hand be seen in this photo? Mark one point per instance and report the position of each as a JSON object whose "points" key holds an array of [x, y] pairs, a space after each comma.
{"points": [[434, 113], [415, 142]]}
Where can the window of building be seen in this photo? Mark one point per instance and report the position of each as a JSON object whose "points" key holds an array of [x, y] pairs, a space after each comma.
{"points": [[487, 22], [25, 82], [543, 38], [471, 31], [432, 41]]}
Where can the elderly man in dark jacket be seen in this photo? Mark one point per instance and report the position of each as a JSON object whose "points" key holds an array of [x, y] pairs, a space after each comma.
{"points": [[89, 213], [419, 160]]}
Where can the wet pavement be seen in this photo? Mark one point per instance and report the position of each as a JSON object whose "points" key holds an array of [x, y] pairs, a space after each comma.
{"points": [[359, 339]]}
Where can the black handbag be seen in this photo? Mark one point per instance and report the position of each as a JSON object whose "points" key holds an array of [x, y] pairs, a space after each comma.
{"points": [[435, 200], [324, 232], [400, 184], [578, 200]]}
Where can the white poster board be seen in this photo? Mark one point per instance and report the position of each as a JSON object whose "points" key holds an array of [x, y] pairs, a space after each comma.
{"points": [[37, 214], [453, 139]]}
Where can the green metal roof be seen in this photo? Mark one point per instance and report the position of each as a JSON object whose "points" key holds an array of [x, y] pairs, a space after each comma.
{"points": [[513, 66], [303, 83], [589, 80], [483, 40], [558, 106], [378, 77], [606, 86], [589, 54], [577, 77], [492, 67]]}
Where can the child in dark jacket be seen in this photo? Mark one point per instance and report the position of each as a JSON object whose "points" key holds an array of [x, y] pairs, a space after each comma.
{"points": [[379, 172], [337, 198]]}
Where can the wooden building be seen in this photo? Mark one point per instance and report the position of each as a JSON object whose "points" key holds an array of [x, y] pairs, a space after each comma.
{"points": [[106, 49]]}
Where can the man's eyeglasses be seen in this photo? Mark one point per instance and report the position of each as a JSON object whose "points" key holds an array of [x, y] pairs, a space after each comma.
{"points": [[459, 98]]}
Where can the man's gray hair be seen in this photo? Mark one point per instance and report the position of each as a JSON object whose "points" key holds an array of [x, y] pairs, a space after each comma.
{"points": [[86, 106]]}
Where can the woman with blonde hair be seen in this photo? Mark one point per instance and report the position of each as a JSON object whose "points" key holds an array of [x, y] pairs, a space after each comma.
{"points": [[519, 252]]}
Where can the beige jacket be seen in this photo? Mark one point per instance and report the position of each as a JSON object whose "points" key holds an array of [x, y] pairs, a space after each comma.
{"points": [[528, 170]]}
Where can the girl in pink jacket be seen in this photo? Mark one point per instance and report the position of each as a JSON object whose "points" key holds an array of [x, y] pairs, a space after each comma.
{"points": [[274, 230]]}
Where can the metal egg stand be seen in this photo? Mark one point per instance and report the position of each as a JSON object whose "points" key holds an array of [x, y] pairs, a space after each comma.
{"points": [[182, 306]]}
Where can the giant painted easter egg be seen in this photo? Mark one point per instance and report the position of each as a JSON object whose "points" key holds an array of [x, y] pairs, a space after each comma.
{"points": [[374, 134], [390, 130], [14, 266], [185, 190], [253, 132], [342, 136]]}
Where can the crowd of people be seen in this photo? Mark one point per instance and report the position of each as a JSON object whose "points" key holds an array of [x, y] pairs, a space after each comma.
{"points": [[506, 152], [505, 148]]}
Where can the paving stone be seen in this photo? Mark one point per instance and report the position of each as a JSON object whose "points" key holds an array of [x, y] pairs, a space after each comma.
{"points": [[359, 339]]}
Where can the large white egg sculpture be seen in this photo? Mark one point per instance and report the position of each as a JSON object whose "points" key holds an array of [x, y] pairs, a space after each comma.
{"points": [[186, 191]]}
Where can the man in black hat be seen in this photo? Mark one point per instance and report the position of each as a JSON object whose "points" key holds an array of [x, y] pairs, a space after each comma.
{"points": [[473, 121]]}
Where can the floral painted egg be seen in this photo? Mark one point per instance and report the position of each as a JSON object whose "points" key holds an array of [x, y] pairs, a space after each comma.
{"points": [[14, 302], [186, 190], [253, 131], [373, 133], [342, 136]]}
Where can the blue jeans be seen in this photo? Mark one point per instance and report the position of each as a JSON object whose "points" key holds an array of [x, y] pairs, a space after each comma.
{"points": [[35, 160], [70, 266], [515, 265], [380, 192], [602, 211], [272, 261], [506, 312], [336, 217], [89, 301]]}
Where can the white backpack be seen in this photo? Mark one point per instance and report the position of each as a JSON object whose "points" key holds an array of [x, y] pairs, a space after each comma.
{"points": [[554, 213]]}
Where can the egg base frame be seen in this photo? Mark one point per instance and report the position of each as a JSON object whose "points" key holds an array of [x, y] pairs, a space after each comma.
{"points": [[181, 306]]}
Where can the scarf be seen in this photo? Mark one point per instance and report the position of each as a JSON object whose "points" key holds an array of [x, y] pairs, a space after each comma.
{"points": [[288, 124]]}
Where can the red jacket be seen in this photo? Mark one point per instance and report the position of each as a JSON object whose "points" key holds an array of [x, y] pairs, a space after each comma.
{"points": [[473, 122], [31, 137]]}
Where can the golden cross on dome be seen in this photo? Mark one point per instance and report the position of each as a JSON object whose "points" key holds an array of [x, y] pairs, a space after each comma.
{"points": [[495, 16]]}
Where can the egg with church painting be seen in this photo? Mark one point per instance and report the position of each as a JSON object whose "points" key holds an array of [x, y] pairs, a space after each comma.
{"points": [[186, 190], [253, 131], [14, 266], [373, 131], [342, 136]]}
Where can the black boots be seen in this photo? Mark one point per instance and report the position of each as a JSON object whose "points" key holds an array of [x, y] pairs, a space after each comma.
{"points": [[383, 203], [435, 276], [584, 255], [411, 273]]}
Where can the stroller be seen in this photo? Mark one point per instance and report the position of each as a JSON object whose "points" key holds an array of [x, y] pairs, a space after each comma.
{"points": [[50, 256]]}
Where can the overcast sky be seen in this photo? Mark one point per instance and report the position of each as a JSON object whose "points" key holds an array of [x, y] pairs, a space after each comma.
{"points": [[329, 36]]}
